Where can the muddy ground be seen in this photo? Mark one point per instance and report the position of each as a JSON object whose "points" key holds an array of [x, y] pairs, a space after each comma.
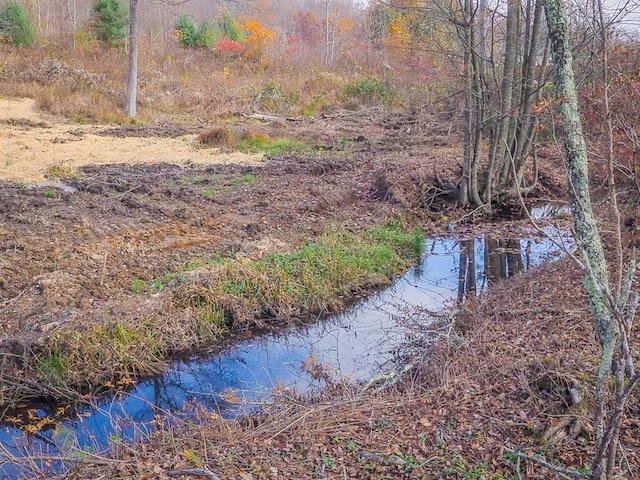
{"points": [[93, 217], [130, 204]]}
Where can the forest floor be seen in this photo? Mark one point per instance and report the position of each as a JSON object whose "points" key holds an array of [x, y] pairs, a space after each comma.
{"points": [[88, 212]]}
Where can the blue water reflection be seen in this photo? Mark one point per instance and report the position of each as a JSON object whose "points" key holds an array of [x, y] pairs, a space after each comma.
{"points": [[353, 345]]}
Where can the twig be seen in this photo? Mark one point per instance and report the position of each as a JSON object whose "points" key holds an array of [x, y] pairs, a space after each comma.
{"points": [[545, 464], [198, 472]]}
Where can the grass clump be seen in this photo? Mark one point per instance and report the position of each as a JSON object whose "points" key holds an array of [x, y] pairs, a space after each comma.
{"points": [[61, 172], [369, 91], [257, 142], [318, 278], [217, 137], [110, 355]]}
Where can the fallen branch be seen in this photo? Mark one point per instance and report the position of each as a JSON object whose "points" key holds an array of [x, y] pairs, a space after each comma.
{"points": [[545, 464], [196, 472]]}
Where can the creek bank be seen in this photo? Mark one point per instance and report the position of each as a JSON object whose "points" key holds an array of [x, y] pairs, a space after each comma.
{"points": [[354, 345], [209, 299], [484, 388]]}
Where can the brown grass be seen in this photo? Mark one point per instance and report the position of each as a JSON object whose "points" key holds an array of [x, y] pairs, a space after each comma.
{"points": [[501, 384], [217, 137], [193, 86]]}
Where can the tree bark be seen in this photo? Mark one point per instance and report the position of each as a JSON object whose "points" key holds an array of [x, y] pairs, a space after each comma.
{"points": [[587, 235], [132, 73]]}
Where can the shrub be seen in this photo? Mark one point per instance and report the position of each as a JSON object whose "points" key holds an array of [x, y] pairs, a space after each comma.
{"points": [[15, 26], [109, 22], [186, 31], [229, 28], [229, 47], [370, 91], [206, 35], [191, 36]]}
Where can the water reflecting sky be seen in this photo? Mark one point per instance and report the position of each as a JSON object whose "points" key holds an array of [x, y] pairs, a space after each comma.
{"points": [[354, 345]]}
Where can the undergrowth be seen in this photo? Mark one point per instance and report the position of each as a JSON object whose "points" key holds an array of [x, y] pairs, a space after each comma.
{"points": [[317, 278]]}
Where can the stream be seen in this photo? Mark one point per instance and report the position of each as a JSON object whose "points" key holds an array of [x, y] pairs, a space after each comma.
{"points": [[370, 337]]}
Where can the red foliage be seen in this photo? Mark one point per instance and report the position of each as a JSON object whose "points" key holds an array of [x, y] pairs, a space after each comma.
{"points": [[308, 28], [229, 47]]}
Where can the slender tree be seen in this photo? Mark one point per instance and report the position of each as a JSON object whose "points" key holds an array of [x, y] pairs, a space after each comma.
{"points": [[132, 72], [612, 309]]}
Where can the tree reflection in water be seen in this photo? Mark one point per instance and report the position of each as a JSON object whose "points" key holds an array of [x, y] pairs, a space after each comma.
{"points": [[502, 259]]}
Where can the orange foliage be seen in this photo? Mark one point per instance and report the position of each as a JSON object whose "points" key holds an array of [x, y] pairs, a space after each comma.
{"points": [[257, 37], [399, 37]]}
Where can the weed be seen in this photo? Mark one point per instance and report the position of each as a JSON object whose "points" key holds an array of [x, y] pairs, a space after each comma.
{"points": [[191, 457], [157, 285], [248, 178], [50, 193], [327, 461], [53, 365], [61, 172], [138, 285], [370, 91], [208, 193], [272, 148], [193, 265]]}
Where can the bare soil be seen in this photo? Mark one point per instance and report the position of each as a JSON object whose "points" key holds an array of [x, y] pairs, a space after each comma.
{"points": [[86, 211]]}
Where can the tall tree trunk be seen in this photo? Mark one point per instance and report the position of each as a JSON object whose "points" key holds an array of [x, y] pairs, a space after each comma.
{"points": [[464, 191], [132, 73], [499, 149], [588, 237]]}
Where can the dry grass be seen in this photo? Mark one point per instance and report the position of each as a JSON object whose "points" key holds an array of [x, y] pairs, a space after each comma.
{"points": [[190, 86], [501, 384], [220, 137]]}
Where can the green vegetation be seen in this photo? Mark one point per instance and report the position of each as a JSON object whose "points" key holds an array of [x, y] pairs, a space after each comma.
{"points": [[229, 28], [109, 22], [316, 278], [15, 25], [50, 193], [370, 91], [191, 36], [61, 172], [206, 35], [319, 277], [138, 285], [271, 148]]}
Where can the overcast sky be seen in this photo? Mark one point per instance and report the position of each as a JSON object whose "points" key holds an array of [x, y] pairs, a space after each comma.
{"points": [[627, 11]]}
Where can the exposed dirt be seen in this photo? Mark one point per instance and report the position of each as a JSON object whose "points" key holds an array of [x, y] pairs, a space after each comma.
{"points": [[32, 143], [131, 204], [71, 249]]}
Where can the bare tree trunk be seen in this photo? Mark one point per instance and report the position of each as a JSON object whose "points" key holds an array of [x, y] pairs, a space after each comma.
{"points": [[499, 148], [132, 73], [463, 192]]}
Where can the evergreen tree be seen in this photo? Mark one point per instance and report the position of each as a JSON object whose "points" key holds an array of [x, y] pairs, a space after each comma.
{"points": [[109, 22], [15, 26], [187, 31]]}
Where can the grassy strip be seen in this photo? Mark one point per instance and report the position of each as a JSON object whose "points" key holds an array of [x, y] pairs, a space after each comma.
{"points": [[318, 278]]}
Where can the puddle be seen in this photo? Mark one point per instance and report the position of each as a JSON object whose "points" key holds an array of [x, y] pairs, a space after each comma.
{"points": [[355, 344]]}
